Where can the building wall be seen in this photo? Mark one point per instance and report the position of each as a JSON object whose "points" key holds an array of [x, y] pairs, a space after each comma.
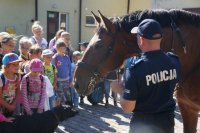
{"points": [[17, 14], [139, 5], [109, 8], [64, 6], [178, 4]]}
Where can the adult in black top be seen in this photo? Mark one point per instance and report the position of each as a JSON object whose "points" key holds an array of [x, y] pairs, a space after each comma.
{"points": [[150, 83]]}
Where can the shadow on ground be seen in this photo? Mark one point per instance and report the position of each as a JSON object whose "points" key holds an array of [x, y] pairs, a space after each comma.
{"points": [[95, 119]]}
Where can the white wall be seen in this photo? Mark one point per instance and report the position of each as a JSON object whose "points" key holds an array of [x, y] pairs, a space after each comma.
{"points": [[17, 13], [178, 4]]}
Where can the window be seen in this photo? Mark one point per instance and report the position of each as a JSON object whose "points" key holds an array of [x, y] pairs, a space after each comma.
{"points": [[64, 21], [90, 21]]}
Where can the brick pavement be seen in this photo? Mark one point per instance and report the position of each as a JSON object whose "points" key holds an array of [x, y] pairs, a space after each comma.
{"points": [[97, 119]]}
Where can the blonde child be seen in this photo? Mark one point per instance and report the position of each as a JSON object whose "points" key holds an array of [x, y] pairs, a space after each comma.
{"points": [[51, 72], [9, 84], [33, 88], [37, 38]]}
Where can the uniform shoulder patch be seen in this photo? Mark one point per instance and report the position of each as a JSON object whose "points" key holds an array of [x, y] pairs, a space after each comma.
{"points": [[137, 63], [172, 55]]}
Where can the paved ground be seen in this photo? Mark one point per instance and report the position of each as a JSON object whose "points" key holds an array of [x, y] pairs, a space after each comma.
{"points": [[98, 119]]}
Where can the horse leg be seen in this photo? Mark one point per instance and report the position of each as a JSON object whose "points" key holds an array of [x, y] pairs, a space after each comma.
{"points": [[190, 118]]}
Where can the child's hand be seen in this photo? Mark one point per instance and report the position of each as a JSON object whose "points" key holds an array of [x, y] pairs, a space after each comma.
{"points": [[39, 111], [29, 113], [55, 87], [10, 119], [117, 87], [70, 85]]}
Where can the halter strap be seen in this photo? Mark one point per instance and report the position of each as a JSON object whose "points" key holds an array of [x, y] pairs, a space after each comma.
{"points": [[180, 35]]}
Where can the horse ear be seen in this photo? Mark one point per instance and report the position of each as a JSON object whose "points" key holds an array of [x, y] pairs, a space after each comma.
{"points": [[96, 17], [107, 23]]}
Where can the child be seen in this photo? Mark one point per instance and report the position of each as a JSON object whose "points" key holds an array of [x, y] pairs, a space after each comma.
{"points": [[52, 42], [24, 46], [7, 45], [50, 71], [9, 84], [64, 78], [35, 52], [33, 88], [83, 47], [75, 95], [37, 38], [66, 36]]}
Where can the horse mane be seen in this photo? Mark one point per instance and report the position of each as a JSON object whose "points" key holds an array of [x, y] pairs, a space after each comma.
{"points": [[164, 17]]}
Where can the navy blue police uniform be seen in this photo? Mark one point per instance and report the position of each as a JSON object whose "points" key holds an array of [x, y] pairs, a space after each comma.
{"points": [[151, 82]]}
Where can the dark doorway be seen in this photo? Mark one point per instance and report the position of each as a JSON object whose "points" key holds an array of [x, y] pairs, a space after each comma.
{"points": [[52, 24]]}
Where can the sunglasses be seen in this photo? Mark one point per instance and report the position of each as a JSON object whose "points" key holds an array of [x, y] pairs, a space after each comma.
{"points": [[6, 39]]}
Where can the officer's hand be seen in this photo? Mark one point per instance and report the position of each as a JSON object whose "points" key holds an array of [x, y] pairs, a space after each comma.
{"points": [[39, 111], [29, 113], [10, 119], [117, 86]]}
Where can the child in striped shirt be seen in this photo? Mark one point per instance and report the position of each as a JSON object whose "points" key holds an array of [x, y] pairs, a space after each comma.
{"points": [[33, 88]]}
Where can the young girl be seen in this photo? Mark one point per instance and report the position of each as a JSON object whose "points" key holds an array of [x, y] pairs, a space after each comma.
{"points": [[37, 38], [33, 88], [9, 84]]}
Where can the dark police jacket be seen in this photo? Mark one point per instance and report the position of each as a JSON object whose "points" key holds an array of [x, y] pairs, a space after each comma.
{"points": [[151, 82]]}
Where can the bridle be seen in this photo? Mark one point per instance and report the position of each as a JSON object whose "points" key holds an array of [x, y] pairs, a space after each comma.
{"points": [[96, 76]]}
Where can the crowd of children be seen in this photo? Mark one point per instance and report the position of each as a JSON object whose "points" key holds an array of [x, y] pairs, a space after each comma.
{"points": [[40, 78]]}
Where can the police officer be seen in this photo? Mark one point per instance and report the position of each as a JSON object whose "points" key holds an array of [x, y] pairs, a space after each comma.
{"points": [[150, 83]]}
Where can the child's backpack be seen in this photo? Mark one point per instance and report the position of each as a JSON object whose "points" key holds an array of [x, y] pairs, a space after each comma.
{"points": [[97, 95], [3, 79]]}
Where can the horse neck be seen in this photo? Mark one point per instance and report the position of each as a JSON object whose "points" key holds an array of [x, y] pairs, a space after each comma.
{"points": [[131, 47], [190, 59]]}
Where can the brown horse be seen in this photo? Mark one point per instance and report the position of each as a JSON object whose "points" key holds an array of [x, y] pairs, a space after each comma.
{"points": [[113, 43]]}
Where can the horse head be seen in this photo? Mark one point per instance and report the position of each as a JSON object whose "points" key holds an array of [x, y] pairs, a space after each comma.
{"points": [[106, 51]]}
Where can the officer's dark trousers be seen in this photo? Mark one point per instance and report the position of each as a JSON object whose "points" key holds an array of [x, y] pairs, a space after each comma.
{"points": [[152, 123]]}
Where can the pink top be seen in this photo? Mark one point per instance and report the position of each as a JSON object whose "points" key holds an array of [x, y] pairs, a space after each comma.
{"points": [[36, 97], [2, 117]]}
